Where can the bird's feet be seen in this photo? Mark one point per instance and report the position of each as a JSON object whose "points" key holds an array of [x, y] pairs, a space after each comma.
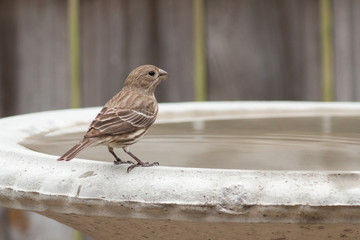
{"points": [[119, 161], [142, 164]]}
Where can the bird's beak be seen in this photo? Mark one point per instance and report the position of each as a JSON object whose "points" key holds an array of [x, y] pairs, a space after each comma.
{"points": [[162, 74]]}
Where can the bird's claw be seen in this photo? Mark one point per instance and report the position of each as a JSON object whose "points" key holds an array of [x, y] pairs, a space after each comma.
{"points": [[118, 162], [142, 164]]}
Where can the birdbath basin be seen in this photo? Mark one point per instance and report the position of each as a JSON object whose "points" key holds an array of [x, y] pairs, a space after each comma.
{"points": [[228, 170]]}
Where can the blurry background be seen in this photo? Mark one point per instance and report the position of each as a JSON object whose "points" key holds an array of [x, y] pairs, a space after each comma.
{"points": [[58, 54]]}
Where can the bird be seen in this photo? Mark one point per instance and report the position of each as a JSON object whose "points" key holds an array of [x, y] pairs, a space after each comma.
{"points": [[125, 118]]}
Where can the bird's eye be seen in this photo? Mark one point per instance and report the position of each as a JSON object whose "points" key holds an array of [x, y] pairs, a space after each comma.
{"points": [[151, 73]]}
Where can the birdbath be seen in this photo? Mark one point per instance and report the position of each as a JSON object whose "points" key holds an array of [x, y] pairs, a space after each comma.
{"points": [[228, 170]]}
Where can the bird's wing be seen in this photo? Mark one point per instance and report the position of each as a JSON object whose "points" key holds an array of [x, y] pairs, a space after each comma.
{"points": [[112, 121]]}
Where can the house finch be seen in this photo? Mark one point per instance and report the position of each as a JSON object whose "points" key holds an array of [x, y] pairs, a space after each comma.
{"points": [[126, 117]]}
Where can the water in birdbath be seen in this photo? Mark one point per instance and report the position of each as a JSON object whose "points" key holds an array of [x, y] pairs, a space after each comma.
{"points": [[299, 143]]}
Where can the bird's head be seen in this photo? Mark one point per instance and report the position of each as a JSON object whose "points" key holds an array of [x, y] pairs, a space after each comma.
{"points": [[145, 78]]}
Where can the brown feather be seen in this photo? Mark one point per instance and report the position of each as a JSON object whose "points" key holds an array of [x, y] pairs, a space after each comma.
{"points": [[112, 121], [75, 150]]}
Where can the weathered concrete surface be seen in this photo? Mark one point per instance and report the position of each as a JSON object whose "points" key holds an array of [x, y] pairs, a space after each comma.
{"points": [[175, 203]]}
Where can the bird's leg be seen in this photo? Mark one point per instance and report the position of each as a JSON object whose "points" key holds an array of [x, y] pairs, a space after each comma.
{"points": [[139, 162], [118, 160]]}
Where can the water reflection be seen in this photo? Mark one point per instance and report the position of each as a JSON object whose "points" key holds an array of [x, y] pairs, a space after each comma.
{"points": [[301, 143]]}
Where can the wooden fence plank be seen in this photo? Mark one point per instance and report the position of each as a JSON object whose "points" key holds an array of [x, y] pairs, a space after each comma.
{"points": [[343, 38], [103, 49], [256, 50], [42, 55], [37, 65], [347, 50], [356, 48], [175, 49], [118, 36], [8, 49], [263, 50]]}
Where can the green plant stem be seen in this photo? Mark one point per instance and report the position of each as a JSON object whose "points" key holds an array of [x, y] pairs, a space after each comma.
{"points": [[74, 42], [326, 50], [78, 235], [199, 49]]}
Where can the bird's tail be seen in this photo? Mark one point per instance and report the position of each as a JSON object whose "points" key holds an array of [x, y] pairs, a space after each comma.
{"points": [[75, 150]]}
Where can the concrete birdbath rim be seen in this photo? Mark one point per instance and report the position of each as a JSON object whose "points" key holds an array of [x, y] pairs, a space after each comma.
{"points": [[35, 181]]}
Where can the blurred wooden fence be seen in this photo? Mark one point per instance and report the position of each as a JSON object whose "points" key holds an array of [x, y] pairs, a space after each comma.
{"points": [[255, 50]]}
